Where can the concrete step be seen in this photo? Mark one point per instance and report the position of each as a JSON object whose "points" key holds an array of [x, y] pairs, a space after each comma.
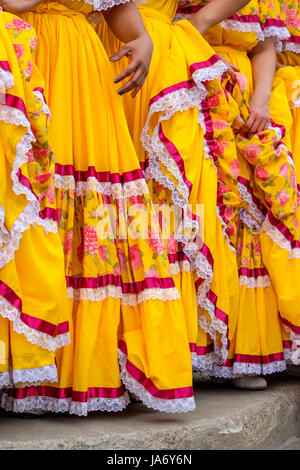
{"points": [[225, 418]]}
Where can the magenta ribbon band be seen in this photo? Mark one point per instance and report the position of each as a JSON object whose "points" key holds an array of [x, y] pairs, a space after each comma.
{"points": [[25, 182], [112, 280], [4, 65], [173, 152], [32, 322], [139, 376], [201, 350], [272, 22], [48, 213], [284, 230], [256, 201], [15, 102], [294, 328], [65, 393], [101, 176], [292, 38], [176, 257], [253, 273]]}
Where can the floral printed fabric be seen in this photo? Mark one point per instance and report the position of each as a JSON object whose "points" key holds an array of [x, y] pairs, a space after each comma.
{"points": [[39, 167]]}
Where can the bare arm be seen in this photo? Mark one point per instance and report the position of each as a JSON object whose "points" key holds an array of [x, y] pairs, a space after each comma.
{"points": [[126, 23], [263, 59], [214, 12], [19, 6]]}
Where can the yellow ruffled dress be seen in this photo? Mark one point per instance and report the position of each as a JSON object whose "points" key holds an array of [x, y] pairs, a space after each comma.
{"points": [[180, 123], [33, 294], [267, 237], [128, 330], [289, 56]]}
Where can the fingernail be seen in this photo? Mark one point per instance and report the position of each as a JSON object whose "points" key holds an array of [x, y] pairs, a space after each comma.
{"points": [[112, 57], [117, 81], [121, 92]]}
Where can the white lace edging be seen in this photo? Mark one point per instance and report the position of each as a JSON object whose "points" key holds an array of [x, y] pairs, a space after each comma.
{"points": [[240, 369], [249, 221], [28, 377], [294, 356], [205, 362], [45, 107], [236, 25], [5, 380], [252, 207], [33, 336], [30, 214], [6, 80], [179, 267], [64, 405], [293, 47], [116, 190], [167, 106], [101, 293], [276, 236], [100, 5], [253, 283], [180, 405]]}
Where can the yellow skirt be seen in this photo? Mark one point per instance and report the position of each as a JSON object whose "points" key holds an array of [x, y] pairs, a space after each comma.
{"points": [[267, 237], [180, 123], [128, 331], [33, 294]]}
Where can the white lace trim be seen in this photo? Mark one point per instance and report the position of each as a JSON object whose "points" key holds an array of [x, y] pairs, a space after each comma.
{"points": [[168, 105], [296, 103], [116, 190], [236, 25], [293, 47], [253, 283], [5, 380], [205, 362], [6, 80], [277, 32], [294, 356], [33, 336], [249, 221], [179, 267], [45, 107], [64, 405], [100, 5], [28, 377], [280, 239], [101, 293], [180, 405], [252, 207], [240, 369], [30, 214]]}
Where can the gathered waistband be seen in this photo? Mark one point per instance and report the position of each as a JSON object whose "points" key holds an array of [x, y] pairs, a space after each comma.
{"points": [[229, 50], [152, 13], [56, 8]]}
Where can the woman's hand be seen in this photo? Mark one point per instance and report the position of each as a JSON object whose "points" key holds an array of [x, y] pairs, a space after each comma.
{"points": [[232, 69], [140, 52], [259, 118]]}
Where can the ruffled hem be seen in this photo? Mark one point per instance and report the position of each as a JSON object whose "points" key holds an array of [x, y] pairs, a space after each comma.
{"points": [[28, 377], [31, 213], [166, 405], [101, 293], [63, 405], [34, 336], [101, 5], [181, 97]]}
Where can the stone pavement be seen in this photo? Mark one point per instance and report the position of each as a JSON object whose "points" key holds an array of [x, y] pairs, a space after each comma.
{"points": [[225, 418]]}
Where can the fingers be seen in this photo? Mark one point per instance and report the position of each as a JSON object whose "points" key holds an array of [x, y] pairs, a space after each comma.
{"points": [[127, 72], [256, 123], [124, 51], [135, 83]]}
